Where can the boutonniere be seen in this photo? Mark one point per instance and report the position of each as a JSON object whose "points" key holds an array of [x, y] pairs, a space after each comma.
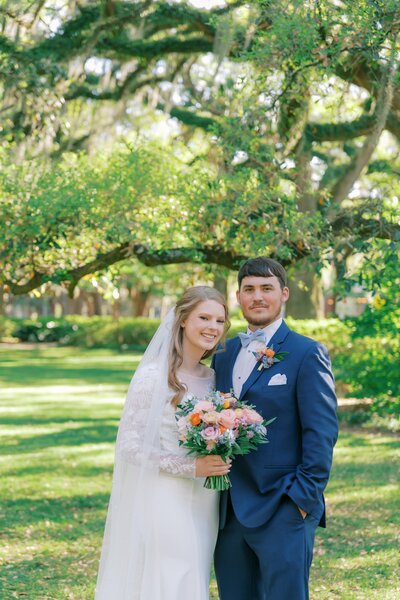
{"points": [[268, 357]]}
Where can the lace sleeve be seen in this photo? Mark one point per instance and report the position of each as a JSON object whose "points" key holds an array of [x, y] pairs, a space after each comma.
{"points": [[132, 428], [180, 466]]}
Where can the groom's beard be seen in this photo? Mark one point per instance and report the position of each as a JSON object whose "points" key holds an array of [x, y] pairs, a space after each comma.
{"points": [[263, 320]]}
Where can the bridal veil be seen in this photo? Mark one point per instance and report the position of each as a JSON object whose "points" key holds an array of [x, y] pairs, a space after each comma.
{"points": [[136, 472]]}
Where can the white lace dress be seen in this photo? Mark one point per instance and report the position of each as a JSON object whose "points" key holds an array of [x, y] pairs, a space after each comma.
{"points": [[186, 513], [171, 553]]}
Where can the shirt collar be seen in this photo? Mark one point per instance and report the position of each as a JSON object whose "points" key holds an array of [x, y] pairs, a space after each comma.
{"points": [[270, 329]]}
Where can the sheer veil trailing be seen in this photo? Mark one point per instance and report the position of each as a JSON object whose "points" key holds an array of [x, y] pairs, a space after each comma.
{"points": [[136, 471]]}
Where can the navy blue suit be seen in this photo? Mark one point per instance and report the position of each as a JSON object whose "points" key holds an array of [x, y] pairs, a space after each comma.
{"points": [[261, 528]]}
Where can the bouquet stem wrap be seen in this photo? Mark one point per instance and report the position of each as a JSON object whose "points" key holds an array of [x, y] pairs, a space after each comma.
{"points": [[218, 482]]}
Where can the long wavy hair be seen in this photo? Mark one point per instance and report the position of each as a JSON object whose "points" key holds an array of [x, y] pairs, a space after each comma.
{"points": [[190, 299]]}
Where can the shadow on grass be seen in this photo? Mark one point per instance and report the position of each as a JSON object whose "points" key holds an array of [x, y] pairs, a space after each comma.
{"points": [[365, 439], [371, 474], [67, 471], [78, 436], [28, 375], [59, 366], [45, 577], [33, 421], [82, 513]]}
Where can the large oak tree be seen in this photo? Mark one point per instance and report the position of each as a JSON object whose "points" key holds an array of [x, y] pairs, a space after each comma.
{"points": [[296, 106]]}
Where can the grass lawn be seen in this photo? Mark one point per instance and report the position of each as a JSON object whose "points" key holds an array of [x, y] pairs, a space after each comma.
{"points": [[59, 410]]}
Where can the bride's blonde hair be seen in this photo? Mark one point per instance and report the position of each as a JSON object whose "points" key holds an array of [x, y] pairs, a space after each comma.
{"points": [[190, 299]]}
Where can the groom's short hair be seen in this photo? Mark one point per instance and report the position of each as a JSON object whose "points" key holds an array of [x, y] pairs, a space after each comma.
{"points": [[263, 267]]}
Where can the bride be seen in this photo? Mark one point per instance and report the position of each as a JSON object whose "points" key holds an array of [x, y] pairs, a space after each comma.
{"points": [[162, 523]]}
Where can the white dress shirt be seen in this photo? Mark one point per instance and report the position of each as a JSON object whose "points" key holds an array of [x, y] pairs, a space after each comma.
{"points": [[246, 361]]}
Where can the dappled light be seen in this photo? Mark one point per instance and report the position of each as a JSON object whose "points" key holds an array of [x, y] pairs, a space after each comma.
{"points": [[56, 465]]}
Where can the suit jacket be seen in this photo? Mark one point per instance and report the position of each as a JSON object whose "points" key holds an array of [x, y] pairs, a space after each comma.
{"points": [[298, 458]]}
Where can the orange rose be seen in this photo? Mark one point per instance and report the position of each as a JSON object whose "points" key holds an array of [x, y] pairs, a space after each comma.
{"points": [[222, 429], [226, 404], [269, 352], [195, 419]]}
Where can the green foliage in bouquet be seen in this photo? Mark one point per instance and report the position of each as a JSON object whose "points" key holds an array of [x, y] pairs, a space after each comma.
{"points": [[222, 425]]}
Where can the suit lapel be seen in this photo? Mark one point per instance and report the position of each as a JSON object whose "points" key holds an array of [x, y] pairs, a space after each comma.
{"points": [[236, 347], [252, 378], [279, 337], [276, 341]]}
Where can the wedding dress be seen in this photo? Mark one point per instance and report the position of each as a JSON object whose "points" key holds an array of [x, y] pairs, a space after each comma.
{"points": [[164, 550], [186, 517]]}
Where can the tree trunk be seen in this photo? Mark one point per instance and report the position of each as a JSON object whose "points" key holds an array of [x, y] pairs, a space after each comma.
{"points": [[2, 305], [306, 299], [139, 300], [96, 302], [116, 309], [221, 281], [340, 256], [345, 184], [77, 303]]}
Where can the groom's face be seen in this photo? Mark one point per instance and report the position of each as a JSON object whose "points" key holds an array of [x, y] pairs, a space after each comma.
{"points": [[261, 300]]}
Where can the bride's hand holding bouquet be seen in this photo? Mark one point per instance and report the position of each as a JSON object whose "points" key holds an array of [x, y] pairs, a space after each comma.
{"points": [[222, 426]]}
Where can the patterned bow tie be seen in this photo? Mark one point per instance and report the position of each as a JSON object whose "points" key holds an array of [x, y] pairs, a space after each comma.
{"points": [[246, 338]]}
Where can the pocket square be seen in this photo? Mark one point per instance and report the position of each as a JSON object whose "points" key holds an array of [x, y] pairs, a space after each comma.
{"points": [[278, 379]]}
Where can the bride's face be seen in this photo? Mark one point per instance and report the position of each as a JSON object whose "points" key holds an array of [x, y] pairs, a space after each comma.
{"points": [[204, 326]]}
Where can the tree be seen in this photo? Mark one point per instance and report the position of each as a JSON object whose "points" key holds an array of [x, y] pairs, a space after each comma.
{"points": [[290, 109]]}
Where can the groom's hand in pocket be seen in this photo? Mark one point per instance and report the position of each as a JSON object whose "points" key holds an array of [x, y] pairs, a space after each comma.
{"points": [[302, 512], [212, 465]]}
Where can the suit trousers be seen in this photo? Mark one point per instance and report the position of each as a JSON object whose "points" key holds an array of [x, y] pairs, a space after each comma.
{"points": [[269, 562]]}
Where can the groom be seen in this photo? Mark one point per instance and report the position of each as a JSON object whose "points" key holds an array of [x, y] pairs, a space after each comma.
{"points": [[269, 516]]}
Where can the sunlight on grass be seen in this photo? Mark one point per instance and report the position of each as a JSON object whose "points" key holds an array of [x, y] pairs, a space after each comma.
{"points": [[54, 390], [59, 413]]}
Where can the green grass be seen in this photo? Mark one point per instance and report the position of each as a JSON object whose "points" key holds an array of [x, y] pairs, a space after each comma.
{"points": [[59, 410]]}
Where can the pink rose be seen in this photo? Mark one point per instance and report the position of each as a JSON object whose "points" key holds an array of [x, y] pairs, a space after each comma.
{"points": [[211, 418], [203, 405], [227, 418], [209, 434], [252, 416]]}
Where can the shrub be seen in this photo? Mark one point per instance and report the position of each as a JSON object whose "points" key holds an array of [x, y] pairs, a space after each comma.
{"points": [[105, 332], [43, 330], [93, 332], [334, 334], [370, 367], [6, 329]]}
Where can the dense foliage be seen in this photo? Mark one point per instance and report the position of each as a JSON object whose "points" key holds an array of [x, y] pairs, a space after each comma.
{"points": [[282, 124]]}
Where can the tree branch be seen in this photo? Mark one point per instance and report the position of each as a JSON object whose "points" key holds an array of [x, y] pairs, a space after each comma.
{"points": [[125, 48], [149, 257], [332, 132], [359, 71], [384, 101], [347, 222], [192, 119], [359, 227], [90, 30]]}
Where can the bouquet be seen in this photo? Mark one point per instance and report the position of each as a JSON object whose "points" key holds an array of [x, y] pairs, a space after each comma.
{"points": [[219, 424]]}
